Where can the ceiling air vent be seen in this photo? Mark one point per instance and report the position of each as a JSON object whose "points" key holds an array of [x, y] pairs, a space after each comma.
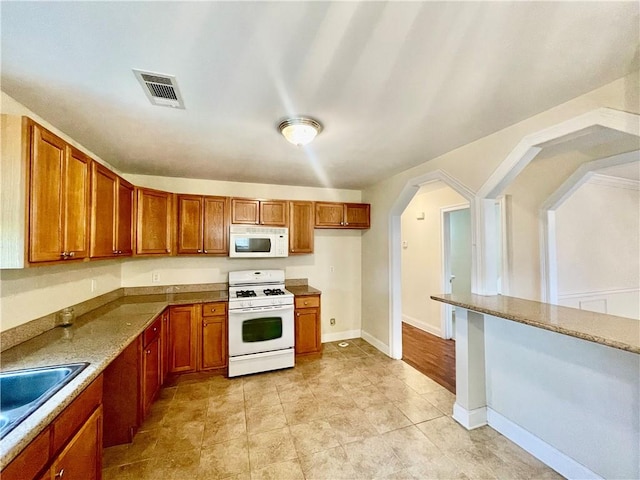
{"points": [[160, 89]]}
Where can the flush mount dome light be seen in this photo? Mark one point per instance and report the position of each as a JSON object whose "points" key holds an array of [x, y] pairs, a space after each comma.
{"points": [[300, 130]]}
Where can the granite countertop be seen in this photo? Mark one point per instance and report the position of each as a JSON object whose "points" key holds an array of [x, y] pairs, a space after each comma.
{"points": [[613, 331], [97, 337], [303, 290]]}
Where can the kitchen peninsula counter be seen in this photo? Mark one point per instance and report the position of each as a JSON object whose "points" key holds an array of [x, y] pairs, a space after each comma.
{"points": [[97, 337], [613, 331], [302, 290]]}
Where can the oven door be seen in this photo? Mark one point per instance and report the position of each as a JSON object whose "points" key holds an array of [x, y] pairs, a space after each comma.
{"points": [[260, 329]]}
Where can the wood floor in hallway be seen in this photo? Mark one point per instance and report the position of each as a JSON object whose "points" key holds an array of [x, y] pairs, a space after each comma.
{"points": [[431, 355]]}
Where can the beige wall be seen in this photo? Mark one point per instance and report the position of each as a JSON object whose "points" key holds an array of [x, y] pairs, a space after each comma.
{"points": [[598, 248], [422, 257], [471, 164]]}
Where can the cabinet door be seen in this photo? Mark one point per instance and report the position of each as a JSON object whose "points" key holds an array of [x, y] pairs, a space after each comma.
{"points": [[124, 236], [76, 203], [189, 224], [273, 212], [153, 222], [356, 215], [151, 370], [245, 211], [183, 322], [81, 459], [46, 198], [216, 226], [214, 343], [329, 215], [104, 184], [301, 227], [307, 331]]}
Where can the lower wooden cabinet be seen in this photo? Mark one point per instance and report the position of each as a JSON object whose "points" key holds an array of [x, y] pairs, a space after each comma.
{"points": [[70, 447], [151, 364], [213, 336], [183, 336], [81, 459], [307, 325]]}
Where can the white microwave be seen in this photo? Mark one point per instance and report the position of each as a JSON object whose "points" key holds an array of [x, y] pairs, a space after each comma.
{"points": [[258, 242]]}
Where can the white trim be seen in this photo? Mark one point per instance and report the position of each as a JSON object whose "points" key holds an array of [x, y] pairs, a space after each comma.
{"points": [[614, 182], [504, 201], [549, 455], [575, 127], [422, 325], [470, 419], [597, 293], [375, 342], [395, 260], [337, 336]]}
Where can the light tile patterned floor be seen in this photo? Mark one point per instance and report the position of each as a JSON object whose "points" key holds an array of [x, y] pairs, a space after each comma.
{"points": [[354, 414]]}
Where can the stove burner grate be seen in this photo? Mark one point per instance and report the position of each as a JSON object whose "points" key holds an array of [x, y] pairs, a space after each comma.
{"points": [[273, 291], [245, 293]]}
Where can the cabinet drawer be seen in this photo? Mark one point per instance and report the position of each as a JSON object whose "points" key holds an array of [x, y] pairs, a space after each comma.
{"points": [[31, 460], [308, 301], [214, 309], [70, 420], [152, 332]]}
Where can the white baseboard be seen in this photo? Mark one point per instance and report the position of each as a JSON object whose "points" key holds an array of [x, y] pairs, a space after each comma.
{"points": [[414, 322], [337, 336], [554, 458], [375, 342], [470, 419]]}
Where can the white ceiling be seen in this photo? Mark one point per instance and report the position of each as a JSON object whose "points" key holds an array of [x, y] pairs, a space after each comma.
{"points": [[394, 84]]}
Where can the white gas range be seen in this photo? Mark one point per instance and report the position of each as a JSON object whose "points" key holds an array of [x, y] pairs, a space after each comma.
{"points": [[261, 325]]}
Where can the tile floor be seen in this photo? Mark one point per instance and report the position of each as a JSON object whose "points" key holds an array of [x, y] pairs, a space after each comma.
{"points": [[353, 414]]}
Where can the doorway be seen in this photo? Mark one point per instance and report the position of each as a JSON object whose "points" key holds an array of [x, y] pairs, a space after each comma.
{"points": [[456, 259]]}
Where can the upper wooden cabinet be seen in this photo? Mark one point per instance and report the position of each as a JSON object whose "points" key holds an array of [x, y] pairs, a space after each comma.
{"points": [[342, 215], [203, 225], [153, 221], [300, 227], [111, 213], [259, 212], [58, 198]]}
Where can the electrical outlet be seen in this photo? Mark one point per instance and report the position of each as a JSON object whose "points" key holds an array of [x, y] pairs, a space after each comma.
{"points": [[332, 269], [332, 321], [155, 277]]}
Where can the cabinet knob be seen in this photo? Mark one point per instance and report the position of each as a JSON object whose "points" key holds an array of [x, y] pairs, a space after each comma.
{"points": [[293, 250], [115, 252], [155, 329], [341, 223], [257, 222], [297, 314], [199, 251], [205, 251], [64, 254], [148, 352], [346, 223], [72, 254], [119, 251], [306, 302], [168, 250], [60, 473]]}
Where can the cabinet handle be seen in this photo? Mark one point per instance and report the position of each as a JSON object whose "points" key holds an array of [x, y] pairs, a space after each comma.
{"points": [[205, 251], [60, 473], [115, 252], [346, 223], [297, 314], [199, 251], [293, 250], [64, 254], [168, 250], [119, 251], [306, 302], [148, 352], [341, 223], [257, 222], [72, 254], [155, 329]]}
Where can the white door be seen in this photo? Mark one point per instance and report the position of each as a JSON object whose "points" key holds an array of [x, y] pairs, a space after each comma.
{"points": [[457, 258]]}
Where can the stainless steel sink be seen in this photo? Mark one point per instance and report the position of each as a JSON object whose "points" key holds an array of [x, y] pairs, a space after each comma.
{"points": [[23, 391]]}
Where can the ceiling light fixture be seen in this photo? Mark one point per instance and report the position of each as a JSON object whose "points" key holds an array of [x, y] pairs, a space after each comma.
{"points": [[300, 130]]}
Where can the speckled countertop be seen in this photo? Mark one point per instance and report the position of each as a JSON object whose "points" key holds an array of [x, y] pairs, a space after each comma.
{"points": [[303, 290], [97, 337], [613, 331]]}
